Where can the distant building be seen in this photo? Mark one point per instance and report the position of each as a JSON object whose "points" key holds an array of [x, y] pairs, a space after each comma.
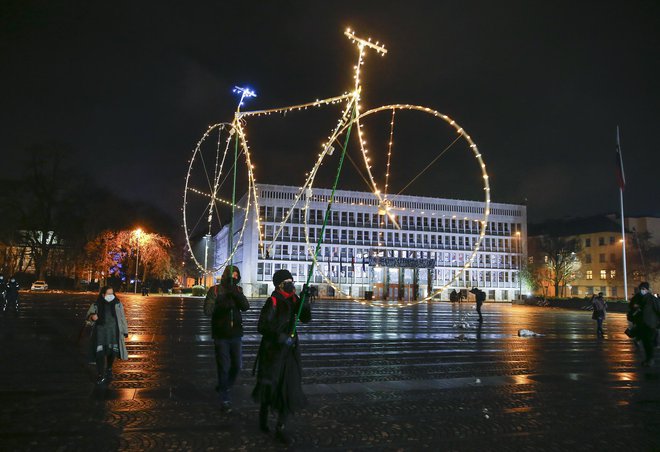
{"points": [[364, 251], [600, 253], [646, 225]]}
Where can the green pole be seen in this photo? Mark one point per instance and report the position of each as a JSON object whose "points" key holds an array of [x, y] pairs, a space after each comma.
{"points": [[233, 203], [325, 221]]}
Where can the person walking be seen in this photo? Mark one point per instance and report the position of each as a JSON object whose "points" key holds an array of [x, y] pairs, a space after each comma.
{"points": [[224, 303], [109, 333], [480, 297], [11, 295], [644, 312], [279, 369], [599, 313]]}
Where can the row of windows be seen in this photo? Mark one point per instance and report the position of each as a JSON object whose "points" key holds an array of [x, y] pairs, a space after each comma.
{"points": [[602, 258], [370, 200], [361, 255], [335, 235], [363, 219], [300, 271], [590, 290], [601, 241], [603, 274]]}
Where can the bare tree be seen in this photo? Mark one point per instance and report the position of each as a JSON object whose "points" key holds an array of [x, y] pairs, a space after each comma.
{"points": [[561, 261], [43, 204]]}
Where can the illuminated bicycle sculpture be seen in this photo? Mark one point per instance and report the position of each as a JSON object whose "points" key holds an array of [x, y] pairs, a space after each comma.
{"points": [[353, 118]]}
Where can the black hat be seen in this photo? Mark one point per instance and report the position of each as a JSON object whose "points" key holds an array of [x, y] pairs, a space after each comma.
{"points": [[281, 275], [644, 285]]}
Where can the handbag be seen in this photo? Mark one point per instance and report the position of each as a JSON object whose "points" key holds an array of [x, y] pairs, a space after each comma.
{"points": [[631, 331]]}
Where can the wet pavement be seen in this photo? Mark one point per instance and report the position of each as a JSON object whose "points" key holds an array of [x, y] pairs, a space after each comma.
{"points": [[427, 377]]}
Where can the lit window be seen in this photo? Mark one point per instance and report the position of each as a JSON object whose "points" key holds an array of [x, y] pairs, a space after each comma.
{"points": [[603, 274], [612, 274], [590, 274]]}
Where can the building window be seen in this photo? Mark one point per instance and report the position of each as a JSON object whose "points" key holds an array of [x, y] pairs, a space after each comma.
{"points": [[601, 241], [614, 291], [587, 243], [611, 240], [601, 257], [612, 257], [590, 274], [612, 274], [603, 274], [587, 258]]}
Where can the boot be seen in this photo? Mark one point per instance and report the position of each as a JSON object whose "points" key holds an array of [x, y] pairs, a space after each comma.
{"points": [[281, 434], [263, 419], [108, 368]]}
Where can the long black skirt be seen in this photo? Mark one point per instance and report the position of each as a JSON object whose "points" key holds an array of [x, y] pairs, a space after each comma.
{"points": [[281, 387]]}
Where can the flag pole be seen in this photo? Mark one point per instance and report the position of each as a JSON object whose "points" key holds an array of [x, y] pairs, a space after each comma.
{"points": [[623, 222]]}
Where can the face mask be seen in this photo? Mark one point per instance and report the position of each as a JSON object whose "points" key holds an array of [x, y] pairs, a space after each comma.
{"points": [[13, 280], [289, 287], [109, 298]]}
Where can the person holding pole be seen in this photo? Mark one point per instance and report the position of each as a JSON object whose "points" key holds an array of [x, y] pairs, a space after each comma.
{"points": [[278, 365]]}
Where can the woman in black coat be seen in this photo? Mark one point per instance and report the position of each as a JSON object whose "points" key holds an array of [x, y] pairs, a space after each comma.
{"points": [[279, 375]]}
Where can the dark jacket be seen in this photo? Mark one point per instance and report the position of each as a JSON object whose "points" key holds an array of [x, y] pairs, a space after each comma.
{"points": [[279, 376], [12, 290], [600, 308], [479, 295], [224, 304], [644, 310]]}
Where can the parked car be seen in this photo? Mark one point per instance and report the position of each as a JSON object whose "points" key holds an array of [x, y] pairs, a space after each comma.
{"points": [[39, 285]]}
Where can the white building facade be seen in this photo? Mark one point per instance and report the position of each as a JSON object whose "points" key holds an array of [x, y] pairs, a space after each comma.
{"points": [[364, 253]]}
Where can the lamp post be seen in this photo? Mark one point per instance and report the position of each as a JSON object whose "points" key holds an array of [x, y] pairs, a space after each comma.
{"points": [[138, 231]]}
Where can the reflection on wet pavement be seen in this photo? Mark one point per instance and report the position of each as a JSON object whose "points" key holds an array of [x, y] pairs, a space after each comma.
{"points": [[427, 376]]}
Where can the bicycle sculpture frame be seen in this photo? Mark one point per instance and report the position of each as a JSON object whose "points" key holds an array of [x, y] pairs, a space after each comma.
{"points": [[350, 119]]}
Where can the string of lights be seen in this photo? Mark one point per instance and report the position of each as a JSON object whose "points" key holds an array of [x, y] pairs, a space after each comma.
{"points": [[351, 116]]}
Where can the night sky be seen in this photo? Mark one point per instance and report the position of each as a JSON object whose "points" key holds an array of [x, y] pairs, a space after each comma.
{"points": [[540, 86]]}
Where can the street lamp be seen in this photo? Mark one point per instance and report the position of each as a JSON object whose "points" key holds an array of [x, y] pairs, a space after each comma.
{"points": [[138, 231]]}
